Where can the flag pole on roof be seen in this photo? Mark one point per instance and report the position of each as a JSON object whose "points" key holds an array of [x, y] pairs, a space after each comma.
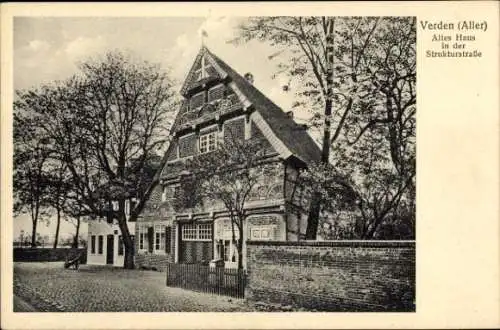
{"points": [[204, 35]]}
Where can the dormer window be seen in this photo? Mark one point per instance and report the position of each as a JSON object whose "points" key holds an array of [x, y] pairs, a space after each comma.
{"points": [[208, 142], [203, 71]]}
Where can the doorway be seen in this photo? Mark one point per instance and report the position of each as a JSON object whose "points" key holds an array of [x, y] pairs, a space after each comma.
{"points": [[227, 250], [110, 249]]}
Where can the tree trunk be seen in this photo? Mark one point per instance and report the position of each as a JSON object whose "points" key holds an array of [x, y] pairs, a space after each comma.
{"points": [[239, 246], [315, 207], [128, 244], [33, 233], [313, 217], [77, 234], [56, 238]]}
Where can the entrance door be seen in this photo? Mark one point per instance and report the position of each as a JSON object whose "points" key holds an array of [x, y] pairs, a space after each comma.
{"points": [[227, 251], [110, 249]]}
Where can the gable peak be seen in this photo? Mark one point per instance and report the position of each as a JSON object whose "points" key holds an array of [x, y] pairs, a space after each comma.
{"points": [[204, 68]]}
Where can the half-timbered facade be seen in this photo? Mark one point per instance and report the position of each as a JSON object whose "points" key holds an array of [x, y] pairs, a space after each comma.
{"points": [[220, 104]]}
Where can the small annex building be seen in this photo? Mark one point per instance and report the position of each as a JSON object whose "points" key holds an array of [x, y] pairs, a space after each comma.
{"points": [[104, 244]]}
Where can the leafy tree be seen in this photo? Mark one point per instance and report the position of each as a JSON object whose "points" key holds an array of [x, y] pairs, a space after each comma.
{"points": [[105, 123], [366, 88], [228, 175]]}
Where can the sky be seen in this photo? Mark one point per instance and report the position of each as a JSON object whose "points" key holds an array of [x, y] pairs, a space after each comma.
{"points": [[49, 48]]}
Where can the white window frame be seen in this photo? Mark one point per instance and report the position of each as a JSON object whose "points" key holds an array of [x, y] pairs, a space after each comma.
{"points": [[226, 249], [197, 232], [143, 238], [205, 231], [207, 142], [159, 238]]}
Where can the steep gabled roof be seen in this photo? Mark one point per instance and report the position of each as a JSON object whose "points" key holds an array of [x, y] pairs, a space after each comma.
{"points": [[292, 135]]}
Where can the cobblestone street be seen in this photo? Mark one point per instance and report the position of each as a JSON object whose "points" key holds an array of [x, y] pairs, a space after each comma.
{"points": [[49, 287]]}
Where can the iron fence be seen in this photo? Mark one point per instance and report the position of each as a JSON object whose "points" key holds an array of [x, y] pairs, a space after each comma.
{"points": [[214, 280]]}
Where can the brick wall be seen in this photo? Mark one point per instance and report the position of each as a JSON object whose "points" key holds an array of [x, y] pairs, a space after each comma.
{"points": [[234, 129], [187, 145], [153, 261], [154, 201], [333, 275]]}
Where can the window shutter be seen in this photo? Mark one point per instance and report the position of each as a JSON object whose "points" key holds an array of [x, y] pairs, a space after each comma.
{"points": [[168, 240], [109, 217], [151, 233]]}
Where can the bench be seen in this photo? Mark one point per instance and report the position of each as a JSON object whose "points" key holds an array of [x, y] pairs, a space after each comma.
{"points": [[75, 261]]}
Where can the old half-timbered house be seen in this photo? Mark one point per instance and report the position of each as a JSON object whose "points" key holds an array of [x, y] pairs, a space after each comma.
{"points": [[218, 100]]}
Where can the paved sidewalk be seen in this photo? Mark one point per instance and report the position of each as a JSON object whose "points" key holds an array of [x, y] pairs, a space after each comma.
{"points": [[49, 287]]}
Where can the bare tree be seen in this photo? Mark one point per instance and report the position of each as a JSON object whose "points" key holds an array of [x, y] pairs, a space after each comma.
{"points": [[58, 187], [31, 155], [105, 123]]}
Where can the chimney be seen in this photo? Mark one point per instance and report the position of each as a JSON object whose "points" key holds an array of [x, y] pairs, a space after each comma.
{"points": [[289, 114], [249, 77]]}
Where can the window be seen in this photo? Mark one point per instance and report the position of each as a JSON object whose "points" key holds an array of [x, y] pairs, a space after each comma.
{"points": [[189, 232], [92, 244], [197, 232], [208, 142], [205, 231], [143, 237], [120, 245], [159, 237], [227, 251], [100, 244]]}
